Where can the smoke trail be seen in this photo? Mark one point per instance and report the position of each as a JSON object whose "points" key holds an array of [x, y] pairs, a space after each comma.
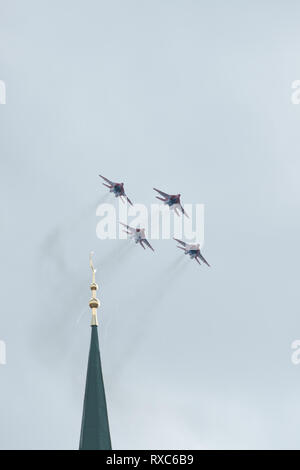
{"points": [[80, 316], [115, 258], [52, 247], [119, 247], [177, 262], [59, 284], [152, 292], [163, 283]]}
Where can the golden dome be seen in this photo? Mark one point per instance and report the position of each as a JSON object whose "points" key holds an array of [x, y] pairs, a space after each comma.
{"points": [[94, 303]]}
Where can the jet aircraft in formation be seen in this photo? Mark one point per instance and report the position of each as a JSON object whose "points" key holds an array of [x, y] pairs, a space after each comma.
{"points": [[138, 234]]}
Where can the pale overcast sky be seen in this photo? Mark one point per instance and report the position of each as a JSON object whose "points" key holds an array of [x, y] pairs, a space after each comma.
{"points": [[187, 96]]}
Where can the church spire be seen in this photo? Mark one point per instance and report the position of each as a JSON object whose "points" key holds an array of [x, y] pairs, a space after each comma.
{"points": [[95, 427]]}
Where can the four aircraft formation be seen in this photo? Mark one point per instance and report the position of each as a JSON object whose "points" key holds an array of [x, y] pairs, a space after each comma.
{"points": [[138, 234]]}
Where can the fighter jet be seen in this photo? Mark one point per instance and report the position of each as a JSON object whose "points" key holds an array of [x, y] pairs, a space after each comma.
{"points": [[138, 235], [172, 200], [116, 188], [192, 250]]}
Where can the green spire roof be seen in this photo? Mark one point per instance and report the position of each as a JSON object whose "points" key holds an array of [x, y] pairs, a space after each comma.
{"points": [[95, 428]]}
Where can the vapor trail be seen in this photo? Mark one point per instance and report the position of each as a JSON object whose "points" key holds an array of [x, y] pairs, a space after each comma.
{"points": [[149, 296], [116, 259], [54, 270]]}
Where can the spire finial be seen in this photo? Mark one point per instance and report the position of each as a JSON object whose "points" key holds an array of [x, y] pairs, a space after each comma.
{"points": [[94, 303], [92, 265]]}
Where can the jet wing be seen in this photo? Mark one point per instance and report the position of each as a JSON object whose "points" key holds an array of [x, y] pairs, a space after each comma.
{"points": [[183, 211], [162, 193], [181, 248], [180, 241], [131, 229], [105, 179], [203, 259], [148, 244], [128, 200]]}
